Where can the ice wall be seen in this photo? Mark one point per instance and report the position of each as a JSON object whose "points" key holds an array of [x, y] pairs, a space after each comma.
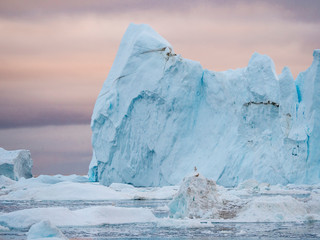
{"points": [[15, 164], [158, 115]]}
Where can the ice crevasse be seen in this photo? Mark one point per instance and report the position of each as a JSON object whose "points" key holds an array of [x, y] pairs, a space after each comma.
{"points": [[158, 115]]}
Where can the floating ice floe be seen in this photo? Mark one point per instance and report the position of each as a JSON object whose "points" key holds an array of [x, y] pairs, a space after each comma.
{"points": [[90, 216], [76, 188]]}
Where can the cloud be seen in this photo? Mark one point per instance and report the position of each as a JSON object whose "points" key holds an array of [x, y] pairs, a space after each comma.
{"points": [[55, 55], [307, 10], [19, 117]]}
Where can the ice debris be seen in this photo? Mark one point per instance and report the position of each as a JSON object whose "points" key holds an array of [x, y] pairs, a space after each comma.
{"points": [[15, 164], [196, 198], [201, 198], [159, 114]]}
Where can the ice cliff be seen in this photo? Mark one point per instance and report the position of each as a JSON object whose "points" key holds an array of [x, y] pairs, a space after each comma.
{"points": [[15, 164], [158, 115]]}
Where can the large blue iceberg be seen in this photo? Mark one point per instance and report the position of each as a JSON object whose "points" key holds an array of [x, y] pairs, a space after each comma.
{"points": [[158, 115]]}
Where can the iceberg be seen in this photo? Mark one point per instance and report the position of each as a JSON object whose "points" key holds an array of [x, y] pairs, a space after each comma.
{"points": [[15, 164], [158, 115], [45, 230]]}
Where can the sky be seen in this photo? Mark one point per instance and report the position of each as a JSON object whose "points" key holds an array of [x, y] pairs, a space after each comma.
{"points": [[55, 56]]}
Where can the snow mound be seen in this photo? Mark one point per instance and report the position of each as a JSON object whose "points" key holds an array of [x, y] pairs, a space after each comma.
{"points": [[90, 216], [15, 164], [158, 115], [196, 198], [45, 230]]}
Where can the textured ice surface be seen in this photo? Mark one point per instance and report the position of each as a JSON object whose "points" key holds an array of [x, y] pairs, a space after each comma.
{"points": [[158, 115], [15, 164], [45, 230]]}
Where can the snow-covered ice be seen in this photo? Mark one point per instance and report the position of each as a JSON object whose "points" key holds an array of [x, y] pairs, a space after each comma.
{"points": [[158, 115], [15, 164], [45, 230]]}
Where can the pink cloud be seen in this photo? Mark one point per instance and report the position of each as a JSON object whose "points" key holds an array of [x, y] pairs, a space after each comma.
{"points": [[61, 59]]}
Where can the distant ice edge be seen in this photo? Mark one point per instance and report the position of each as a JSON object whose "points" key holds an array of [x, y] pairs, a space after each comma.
{"points": [[159, 115]]}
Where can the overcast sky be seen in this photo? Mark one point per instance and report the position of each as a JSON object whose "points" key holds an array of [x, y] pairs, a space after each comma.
{"points": [[55, 56]]}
